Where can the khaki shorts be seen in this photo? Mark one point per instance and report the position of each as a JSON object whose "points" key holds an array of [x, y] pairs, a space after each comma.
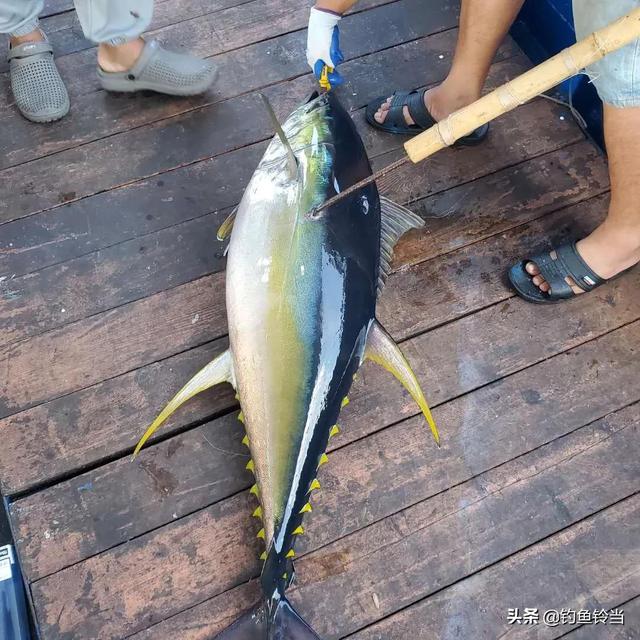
{"points": [[616, 76]]}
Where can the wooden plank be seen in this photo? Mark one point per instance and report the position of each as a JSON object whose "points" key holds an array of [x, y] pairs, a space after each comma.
{"points": [[211, 131], [219, 115], [377, 403], [177, 16], [87, 343], [63, 29], [628, 631], [470, 212], [555, 578], [195, 559], [138, 209], [51, 7], [432, 522], [141, 267], [177, 195], [139, 394], [534, 187], [264, 63], [8, 353]]}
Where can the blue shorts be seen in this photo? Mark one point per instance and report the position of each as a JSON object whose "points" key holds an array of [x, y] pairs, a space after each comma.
{"points": [[616, 76]]}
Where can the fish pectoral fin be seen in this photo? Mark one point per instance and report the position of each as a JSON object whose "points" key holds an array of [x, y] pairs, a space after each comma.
{"points": [[396, 220], [382, 350], [218, 370], [224, 231]]}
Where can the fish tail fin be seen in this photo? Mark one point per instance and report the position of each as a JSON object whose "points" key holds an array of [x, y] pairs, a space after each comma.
{"points": [[218, 370], [382, 350], [280, 622]]}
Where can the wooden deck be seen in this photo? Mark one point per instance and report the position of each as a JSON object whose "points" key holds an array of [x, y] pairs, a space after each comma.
{"points": [[112, 295]]}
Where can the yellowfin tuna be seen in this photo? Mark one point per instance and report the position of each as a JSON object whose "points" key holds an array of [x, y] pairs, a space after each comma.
{"points": [[301, 292]]}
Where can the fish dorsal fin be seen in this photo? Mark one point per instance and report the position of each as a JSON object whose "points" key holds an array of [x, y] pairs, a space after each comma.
{"points": [[292, 162], [382, 350], [396, 221]]}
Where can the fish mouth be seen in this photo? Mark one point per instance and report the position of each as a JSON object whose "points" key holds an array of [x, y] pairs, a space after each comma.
{"points": [[314, 94]]}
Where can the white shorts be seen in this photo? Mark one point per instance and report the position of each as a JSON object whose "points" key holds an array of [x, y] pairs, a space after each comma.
{"points": [[616, 76]]}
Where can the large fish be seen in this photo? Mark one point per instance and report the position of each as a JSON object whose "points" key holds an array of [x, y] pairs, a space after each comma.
{"points": [[301, 289]]}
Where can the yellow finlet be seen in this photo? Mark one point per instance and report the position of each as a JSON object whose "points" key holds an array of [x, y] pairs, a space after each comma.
{"points": [[306, 508], [314, 485], [323, 459], [260, 534], [285, 575], [258, 512], [254, 490], [345, 402], [250, 466], [291, 554], [241, 417], [298, 531], [263, 555], [335, 430], [237, 397], [245, 440]]}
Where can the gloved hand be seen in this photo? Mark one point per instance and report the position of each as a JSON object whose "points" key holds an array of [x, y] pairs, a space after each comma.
{"points": [[323, 44]]}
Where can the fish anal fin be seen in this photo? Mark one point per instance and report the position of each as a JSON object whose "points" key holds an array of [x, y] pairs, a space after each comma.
{"points": [[217, 371], [382, 350], [396, 220]]}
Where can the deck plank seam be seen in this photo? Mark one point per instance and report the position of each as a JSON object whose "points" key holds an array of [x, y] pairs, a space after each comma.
{"points": [[236, 148], [407, 203], [409, 336], [413, 505], [582, 626], [353, 12], [494, 563], [214, 102], [554, 210], [381, 430]]}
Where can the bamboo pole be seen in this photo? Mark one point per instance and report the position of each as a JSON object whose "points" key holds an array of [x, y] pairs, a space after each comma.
{"points": [[530, 84]]}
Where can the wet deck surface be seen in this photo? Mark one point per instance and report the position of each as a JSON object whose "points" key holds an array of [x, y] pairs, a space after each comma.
{"points": [[112, 296]]}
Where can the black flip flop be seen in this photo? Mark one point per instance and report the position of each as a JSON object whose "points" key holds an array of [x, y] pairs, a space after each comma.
{"points": [[414, 101], [567, 263]]}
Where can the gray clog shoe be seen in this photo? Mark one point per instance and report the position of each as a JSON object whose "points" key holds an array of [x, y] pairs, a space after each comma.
{"points": [[37, 87], [157, 69]]}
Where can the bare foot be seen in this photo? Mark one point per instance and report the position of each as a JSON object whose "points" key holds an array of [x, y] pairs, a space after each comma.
{"points": [[118, 58], [37, 35]]}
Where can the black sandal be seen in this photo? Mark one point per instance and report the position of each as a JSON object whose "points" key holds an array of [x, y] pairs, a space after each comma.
{"points": [[567, 263], [414, 101]]}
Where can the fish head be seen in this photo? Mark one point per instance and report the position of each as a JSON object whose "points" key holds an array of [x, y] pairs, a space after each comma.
{"points": [[328, 157]]}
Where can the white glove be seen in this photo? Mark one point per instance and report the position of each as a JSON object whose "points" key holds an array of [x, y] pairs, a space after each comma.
{"points": [[319, 39]]}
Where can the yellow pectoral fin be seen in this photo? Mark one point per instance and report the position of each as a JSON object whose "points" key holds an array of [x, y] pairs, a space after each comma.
{"points": [[382, 350], [226, 227], [217, 371]]}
